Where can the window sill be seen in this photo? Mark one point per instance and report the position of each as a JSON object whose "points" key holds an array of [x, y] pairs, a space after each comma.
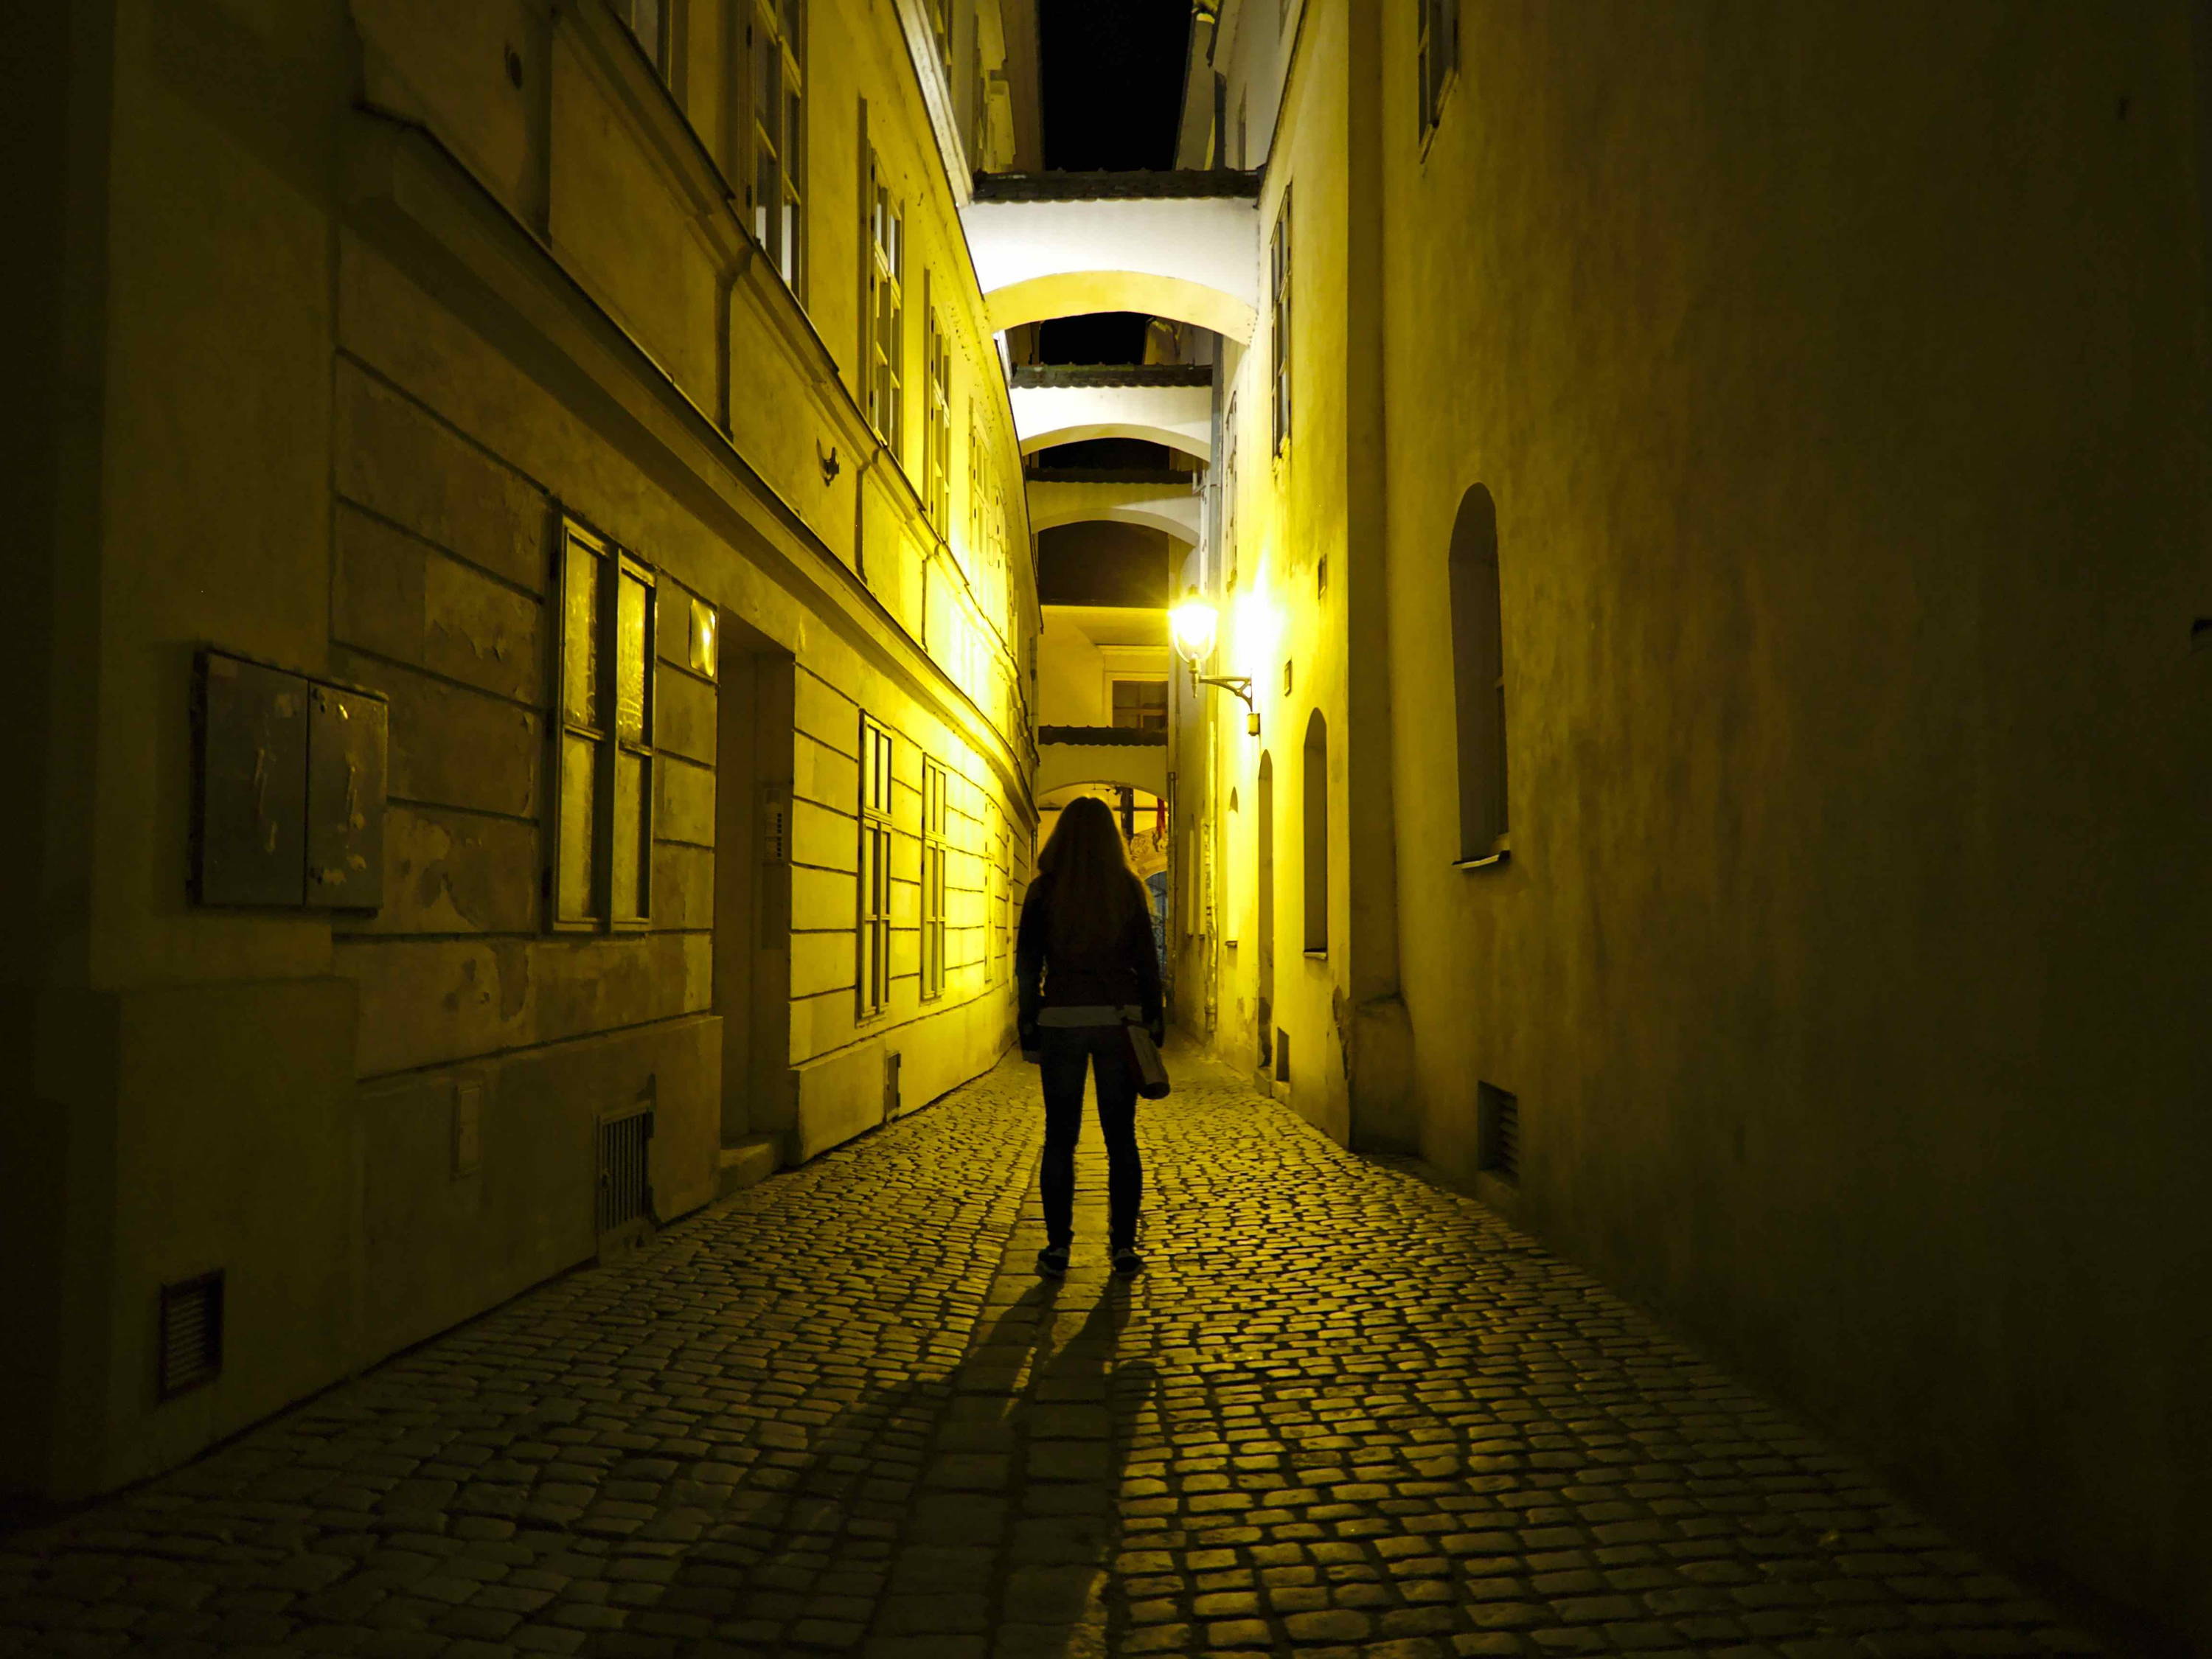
{"points": [[1316, 956], [1487, 861]]}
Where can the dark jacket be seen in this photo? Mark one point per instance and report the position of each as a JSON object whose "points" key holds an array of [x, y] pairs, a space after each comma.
{"points": [[1126, 973]]}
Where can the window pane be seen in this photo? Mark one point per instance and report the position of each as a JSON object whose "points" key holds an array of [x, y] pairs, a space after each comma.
{"points": [[580, 638], [632, 850], [574, 869], [645, 23], [632, 642]]}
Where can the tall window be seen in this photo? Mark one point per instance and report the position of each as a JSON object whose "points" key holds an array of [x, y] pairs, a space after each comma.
{"points": [[971, 555], [648, 22], [937, 433], [874, 975], [934, 824], [778, 33], [1439, 56], [603, 838], [1315, 833], [886, 311], [1278, 320], [1479, 675], [940, 32]]}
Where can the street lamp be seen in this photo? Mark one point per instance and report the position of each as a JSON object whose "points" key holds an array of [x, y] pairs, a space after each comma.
{"points": [[1194, 623]]}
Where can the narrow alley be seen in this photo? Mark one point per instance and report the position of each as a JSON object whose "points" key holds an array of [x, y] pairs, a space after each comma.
{"points": [[1346, 1410]]}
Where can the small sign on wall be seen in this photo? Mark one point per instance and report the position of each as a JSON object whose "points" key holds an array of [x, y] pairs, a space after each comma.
{"points": [[289, 789]]}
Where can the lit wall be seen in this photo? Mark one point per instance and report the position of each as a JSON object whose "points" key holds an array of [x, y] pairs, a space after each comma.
{"points": [[385, 294]]}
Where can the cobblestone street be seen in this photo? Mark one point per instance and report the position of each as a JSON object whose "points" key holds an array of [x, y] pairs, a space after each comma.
{"points": [[1345, 1412]]}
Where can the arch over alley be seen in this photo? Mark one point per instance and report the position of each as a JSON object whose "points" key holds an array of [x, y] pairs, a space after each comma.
{"points": [[1182, 244], [1166, 403], [1173, 508]]}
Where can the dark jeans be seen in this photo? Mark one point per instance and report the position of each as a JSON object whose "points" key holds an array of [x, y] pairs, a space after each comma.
{"points": [[1064, 1052]]}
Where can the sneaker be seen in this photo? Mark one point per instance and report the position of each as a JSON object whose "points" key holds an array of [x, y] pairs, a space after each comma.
{"points": [[1052, 1260], [1128, 1263]]}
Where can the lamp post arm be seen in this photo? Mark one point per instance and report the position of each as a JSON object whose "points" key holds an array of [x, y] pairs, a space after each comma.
{"points": [[1238, 685]]}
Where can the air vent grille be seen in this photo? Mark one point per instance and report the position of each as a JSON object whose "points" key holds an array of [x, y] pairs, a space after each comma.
{"points": [[625, 1172], [1497, 1126], [191, 1335]]}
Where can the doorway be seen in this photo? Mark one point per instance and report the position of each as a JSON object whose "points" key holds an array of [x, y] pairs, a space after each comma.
{"points": [[754, 723]]}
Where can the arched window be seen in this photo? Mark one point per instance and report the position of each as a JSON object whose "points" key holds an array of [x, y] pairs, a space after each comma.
{"points": [[1315, 833], [1479, 675]]}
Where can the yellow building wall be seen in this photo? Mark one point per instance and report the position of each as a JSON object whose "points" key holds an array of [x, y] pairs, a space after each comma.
{"points": [[385, 292], [1840, 377]]}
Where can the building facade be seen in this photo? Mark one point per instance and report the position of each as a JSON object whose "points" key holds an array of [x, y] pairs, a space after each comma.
{"points": [[1712, 515], [528, 629]]}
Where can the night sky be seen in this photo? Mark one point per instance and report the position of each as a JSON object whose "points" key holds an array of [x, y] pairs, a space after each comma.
{"points": [[1112, 71]]}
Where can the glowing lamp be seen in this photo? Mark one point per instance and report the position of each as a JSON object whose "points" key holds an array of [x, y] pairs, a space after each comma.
{"points": [[1194, 623]]}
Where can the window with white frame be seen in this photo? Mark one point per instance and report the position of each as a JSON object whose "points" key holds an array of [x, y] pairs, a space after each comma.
{"points": [[1278, 321], [884, 309], [1438, 56], [873, 977], [778, 33], [935, 824], [603, 836], [1140, 705]]}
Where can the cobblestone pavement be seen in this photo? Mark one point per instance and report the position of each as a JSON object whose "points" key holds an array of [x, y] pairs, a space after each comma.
{"points": [[1346, 1412]]}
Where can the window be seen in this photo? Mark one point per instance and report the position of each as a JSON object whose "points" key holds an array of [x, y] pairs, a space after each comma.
{"points": [[778, 94], [971, 555], [874, 975], [603, 839], [934, 822], [1315, 833], [1140, 705], [940, 31], [884, 311], [648, 22], [978, 109], [1278, 320], [1439, 56], [936, 431], [1479, 677]]}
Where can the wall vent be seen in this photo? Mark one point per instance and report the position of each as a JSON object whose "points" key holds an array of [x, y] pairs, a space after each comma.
{"points": [[191, 1335], [625, 1175], [891, 1085], [1497, 1132]]}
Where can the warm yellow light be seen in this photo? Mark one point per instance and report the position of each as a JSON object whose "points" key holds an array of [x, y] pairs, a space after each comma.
{"points": [[1194, 623]]}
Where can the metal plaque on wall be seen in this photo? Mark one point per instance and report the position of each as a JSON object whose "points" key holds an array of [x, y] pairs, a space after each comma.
{"points": [[252, 783], [346, 736], [289, 791]]}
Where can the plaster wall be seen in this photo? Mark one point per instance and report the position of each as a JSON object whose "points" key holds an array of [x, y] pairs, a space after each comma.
{"points": [[379, 297], [1283, 623], [1840, 378]]}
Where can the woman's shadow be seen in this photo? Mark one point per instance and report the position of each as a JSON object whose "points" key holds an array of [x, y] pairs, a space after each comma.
{"points": [[1073, 1405], [974, 1517]]}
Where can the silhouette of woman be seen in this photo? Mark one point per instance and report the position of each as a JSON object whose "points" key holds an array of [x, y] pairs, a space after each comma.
{"points": [[1084, 962]]}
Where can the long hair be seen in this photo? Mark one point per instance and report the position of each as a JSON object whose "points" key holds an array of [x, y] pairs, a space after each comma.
{"points": [[1095, 894]]}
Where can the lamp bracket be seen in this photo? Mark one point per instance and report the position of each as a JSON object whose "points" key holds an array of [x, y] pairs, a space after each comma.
{"points": [[1238, 685]]}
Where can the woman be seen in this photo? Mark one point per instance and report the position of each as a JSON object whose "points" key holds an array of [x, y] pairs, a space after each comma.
{"points": [[1084, 961]]}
